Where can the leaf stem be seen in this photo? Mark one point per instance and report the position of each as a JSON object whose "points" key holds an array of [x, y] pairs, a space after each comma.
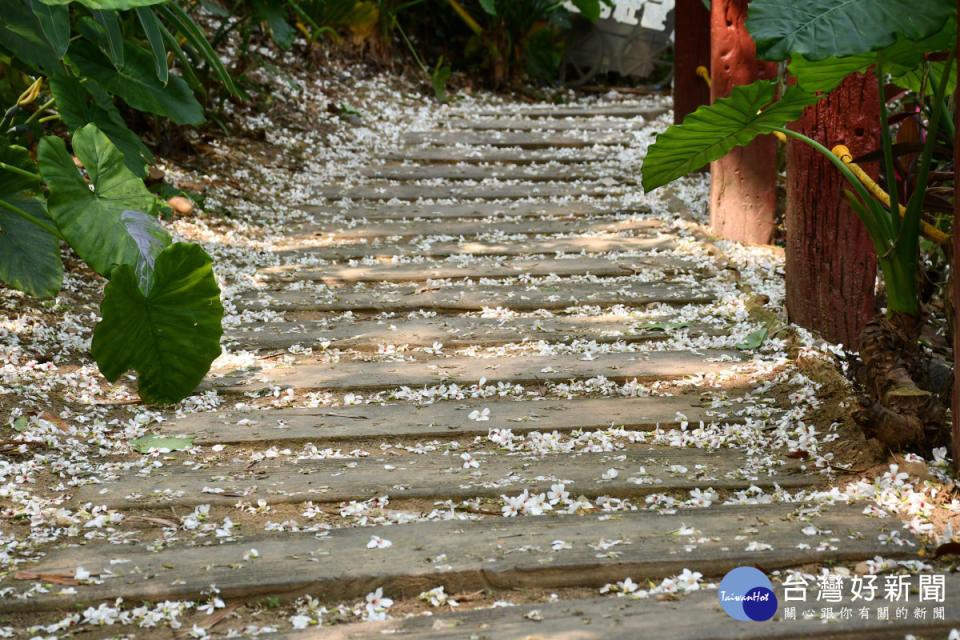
{"points": [[49, 103], [888, 165], [26, 216], [19, 171]]}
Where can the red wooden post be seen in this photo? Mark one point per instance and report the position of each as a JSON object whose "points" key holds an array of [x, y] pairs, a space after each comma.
{"points": [[691, 46], [743, 184], [831, 263]]}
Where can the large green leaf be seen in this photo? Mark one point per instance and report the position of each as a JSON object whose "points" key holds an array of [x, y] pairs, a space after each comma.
{"points": [[489, 6], [170, 335], [153, 30], [827, 74], [108, 5], [112, 41], [22, 35], [93, 222], [819, 29], [136, 82], [903, 59], [711, 131], [275, 14], [589, 9], [29, 255], [79, 106], [55, 24]]}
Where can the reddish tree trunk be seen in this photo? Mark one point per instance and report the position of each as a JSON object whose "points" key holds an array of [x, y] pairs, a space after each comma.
{"points": [[955, 400], [743, 184], [692, 49], [831, 262]]}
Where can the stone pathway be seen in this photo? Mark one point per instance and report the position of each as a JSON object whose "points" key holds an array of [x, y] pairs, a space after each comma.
{"points": [[517, 410]]}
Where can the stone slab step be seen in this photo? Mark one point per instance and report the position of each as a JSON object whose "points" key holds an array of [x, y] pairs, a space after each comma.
{"points": [[497, 553], [547, 124], [443, 419], [422, 271], [454, 332], [693, 616], [501, 172], [593, 244], [478, 192], [336, 231], [436, 476], [518, 139], [559, 295], [622, 111], [486, 155], [473, 209], [353, 375]]}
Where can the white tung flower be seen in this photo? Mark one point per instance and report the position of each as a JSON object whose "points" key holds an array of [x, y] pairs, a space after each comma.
{"points": [[376, 542], [480, 416]]}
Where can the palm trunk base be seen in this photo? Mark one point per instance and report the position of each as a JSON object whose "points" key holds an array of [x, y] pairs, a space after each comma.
{"points": [[896, 409]]}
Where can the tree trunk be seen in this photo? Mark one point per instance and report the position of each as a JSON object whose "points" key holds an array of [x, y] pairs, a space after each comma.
{"points": [[831, 262], [692, 49], [955, 401], [743, 184]]}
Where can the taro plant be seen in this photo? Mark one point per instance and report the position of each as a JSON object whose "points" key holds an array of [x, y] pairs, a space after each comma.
{"points": [[161, 312], [894, 39]]}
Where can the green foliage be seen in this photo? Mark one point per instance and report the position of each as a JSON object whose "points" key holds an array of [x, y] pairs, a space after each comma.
{"points": [[95, 223], [170, 332], [146, 444], [523, 35], [712, 131], [29, 255], [819, 29], [826, 40]]}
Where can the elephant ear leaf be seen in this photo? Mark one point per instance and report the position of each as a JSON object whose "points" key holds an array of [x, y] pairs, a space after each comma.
{"points": [[711, 131], [29, 254], [171, 334], [819, 29], [97, 222]]}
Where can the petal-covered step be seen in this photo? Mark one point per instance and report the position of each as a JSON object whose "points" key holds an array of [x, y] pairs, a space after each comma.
{"points": [[518, 139], [423, 271], [444, 419], [499, 553], [279, 480], [655, 365], [453, 332], [553, 295]]}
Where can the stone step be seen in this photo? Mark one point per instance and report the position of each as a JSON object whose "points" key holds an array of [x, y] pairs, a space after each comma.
{"points": [[694, 615], [593, 244], [502, 172], [444, 419], [498, 553], [470, 297], [518, 139], [618, 367], [547, 123], [336, 231], [435, 270], [474, 192], [473, 209], [436, 476]]}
